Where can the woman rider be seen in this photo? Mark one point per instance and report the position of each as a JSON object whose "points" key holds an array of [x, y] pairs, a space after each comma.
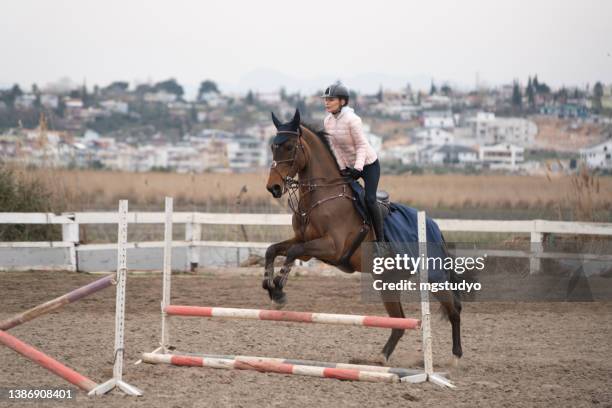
{"points": [[356, 157]]}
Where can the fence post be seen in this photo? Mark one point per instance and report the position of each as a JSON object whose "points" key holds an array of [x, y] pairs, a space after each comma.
{"points": [[193, 233], [537, 239], [70, 233]]}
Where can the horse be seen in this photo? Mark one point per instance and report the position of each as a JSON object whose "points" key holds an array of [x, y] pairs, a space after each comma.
{"points": [[326, 224]]}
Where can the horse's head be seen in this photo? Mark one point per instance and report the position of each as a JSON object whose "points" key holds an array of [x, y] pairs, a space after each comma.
{"points": [[288, 156]]}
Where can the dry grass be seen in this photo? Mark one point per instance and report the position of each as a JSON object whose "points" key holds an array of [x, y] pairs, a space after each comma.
{"points": [[98, 190]]}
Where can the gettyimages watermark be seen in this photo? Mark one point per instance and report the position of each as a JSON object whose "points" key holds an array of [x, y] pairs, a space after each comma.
{"points": [[406, 264], [567, 270]]}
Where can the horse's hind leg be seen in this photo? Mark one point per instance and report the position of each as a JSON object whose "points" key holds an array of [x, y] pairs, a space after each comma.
{"points": [[451, 305], [394, 309]]}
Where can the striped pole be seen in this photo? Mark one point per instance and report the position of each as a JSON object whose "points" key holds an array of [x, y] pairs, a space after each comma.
{"points": [[400, 372], [270, 367], [47, 362], [300, 317], [58, 302]]}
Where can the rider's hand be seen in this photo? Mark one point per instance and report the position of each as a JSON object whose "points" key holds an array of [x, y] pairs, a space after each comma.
{"points": [[350, 172]]}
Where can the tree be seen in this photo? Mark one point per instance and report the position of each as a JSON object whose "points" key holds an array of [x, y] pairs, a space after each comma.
{"points": [[170, 86], [433, 90], [530, 92], [597, 95], [144, 88], [517, 97], [540, 87], [562, 95], [12, 94], [85, 96], [380, 95], [446, 90], [118, 86], [250, 99], [207, 86], [36, 93], [283, 93]]}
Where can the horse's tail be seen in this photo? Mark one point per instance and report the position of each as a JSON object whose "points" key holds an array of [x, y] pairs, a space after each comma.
{"points": [[468, 276]]}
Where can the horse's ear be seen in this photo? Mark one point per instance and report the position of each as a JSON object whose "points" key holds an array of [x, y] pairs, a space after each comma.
{"points": [[295, 122], [275, 120]]}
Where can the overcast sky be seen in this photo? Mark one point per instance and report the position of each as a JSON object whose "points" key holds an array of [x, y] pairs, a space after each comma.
{"points": [[233, 41]]}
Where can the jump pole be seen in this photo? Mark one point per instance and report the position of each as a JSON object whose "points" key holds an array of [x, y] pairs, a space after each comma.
{"points": [[117, 380], [266, 366], [401, 372], [297, 317], [47, 362], [58, 302]]}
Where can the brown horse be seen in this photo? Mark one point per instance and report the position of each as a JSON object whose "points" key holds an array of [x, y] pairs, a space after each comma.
{"points": [[325, 222]]}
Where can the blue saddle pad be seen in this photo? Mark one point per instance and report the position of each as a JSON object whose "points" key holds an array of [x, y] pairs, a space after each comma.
{"points": [[401, 227]]}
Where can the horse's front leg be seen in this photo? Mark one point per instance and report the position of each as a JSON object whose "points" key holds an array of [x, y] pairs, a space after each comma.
{"points": [[272, 252], [323, 247]]}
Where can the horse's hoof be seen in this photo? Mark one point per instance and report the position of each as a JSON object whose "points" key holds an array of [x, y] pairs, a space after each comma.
{"points": [[278, 282], [266, 284], [280, 298]]}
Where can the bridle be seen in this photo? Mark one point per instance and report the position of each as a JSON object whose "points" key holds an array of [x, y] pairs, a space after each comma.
{"points": [[299, 146], [293, 186]]}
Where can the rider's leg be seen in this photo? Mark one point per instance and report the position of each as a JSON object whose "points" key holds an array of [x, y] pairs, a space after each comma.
{"points": [[371, 175]]}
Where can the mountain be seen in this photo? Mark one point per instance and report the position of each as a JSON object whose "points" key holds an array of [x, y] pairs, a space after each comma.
{"points": [[269, 80]]}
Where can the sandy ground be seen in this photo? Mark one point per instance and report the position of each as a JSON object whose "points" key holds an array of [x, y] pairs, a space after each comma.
{"points": [[516, 355]]}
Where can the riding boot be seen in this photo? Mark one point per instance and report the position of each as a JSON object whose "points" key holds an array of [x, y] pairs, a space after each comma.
{"points": [[376, 217]]}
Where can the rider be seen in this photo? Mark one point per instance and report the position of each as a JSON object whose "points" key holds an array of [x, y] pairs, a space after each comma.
{"points": [[356, 157]]}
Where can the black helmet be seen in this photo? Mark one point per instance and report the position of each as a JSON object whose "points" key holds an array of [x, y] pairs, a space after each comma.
{"points": [[336, 90]]}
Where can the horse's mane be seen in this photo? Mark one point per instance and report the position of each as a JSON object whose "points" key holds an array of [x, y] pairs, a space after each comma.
{"points": [[322, 135]]}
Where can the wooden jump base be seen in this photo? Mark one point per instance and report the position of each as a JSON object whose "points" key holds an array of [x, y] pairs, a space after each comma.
{"points": [[297, 367], [298, 317], [56, 367], [47, 362]]}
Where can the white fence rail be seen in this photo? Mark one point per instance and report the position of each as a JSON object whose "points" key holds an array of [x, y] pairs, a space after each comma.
{"points": [[194, 222]]}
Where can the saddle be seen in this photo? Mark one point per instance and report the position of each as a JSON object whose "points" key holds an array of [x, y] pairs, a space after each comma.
{"points": [[382, 199]]}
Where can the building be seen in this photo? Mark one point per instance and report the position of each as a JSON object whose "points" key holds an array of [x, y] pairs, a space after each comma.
{"points": [[438, 119], [453, 154], [405, 154], [49, 101], [434, 136], [115, 106], [598, 156], [502, 156], [25, 101], [488, 129], [566, 110], [245, 153]]}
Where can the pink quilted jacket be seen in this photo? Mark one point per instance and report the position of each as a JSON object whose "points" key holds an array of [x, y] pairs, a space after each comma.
{"points": [[346, 137]]}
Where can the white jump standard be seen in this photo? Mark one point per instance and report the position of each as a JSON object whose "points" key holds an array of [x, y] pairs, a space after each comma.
{"points": [[57, 367], [342, 371]]}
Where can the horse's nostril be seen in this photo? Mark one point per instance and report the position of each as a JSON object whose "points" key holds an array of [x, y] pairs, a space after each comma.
{"points": [[276, 190]]}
